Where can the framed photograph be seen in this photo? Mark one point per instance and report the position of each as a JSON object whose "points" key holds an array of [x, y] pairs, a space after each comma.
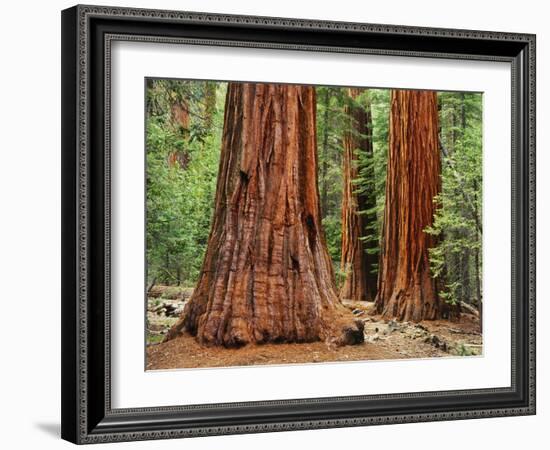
{"points": [[279, 224]]}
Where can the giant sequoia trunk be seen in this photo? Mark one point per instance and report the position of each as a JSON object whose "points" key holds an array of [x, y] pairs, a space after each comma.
{"points": [[406, 290], [360, 281], [267, 276]]}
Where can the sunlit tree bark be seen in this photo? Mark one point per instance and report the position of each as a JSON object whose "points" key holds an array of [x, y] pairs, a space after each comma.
{"points": [[406, 290]]}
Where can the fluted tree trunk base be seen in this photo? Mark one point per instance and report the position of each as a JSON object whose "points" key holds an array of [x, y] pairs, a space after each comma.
{"points": [[406, 289], [267, 275]]}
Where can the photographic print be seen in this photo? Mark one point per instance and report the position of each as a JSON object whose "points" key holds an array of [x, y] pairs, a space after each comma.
{"points": [[302, 224], [302, 199]]}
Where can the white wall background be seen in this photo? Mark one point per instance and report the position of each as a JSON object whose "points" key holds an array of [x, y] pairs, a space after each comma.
{"points": [[30, 225]]}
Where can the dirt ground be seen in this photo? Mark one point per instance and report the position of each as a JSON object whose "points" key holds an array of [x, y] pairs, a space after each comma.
{"points": [[383, 340]]}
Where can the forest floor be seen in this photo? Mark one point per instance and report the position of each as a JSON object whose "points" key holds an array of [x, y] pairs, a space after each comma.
{"points": [[383, 340]]}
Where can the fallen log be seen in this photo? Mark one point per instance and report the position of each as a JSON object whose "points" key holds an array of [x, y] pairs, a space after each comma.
{"points": [[469, 308]]}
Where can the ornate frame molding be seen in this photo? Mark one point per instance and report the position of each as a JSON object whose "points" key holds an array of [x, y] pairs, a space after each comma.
{"points": [[85, 422]]}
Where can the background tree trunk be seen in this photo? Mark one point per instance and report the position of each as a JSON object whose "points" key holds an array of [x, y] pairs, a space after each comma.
{"points": [[181, 121], [359, 282], [477, 266], [209, 103], [466, 290], [267, 276], [406, 290], [324, 168]]}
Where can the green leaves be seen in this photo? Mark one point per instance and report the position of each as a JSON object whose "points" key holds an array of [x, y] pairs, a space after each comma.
{"points": [[456, 260], [180, 197], [330, 122]]}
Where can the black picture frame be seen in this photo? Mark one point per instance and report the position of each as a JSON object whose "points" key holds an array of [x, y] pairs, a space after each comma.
{"points": [[87, 416]]}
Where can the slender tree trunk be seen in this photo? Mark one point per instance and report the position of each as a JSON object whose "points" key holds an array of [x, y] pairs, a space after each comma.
{"points": [[466, 294], [210, 104], [267, 275], [463, 114], [324, 167], [478, 288], [477, 264], [167, 278], [453, 270], [359, 282], [153, 282], [181, 121], [406, 290]]}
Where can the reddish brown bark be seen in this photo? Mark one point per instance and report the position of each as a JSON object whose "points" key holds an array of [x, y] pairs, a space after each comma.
{"points": [[406, 290], [180, 119], [209, 103], [359, 282], [267, 276]]}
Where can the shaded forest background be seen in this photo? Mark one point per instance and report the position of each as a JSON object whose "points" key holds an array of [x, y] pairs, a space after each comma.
{"points": [[183, 137]]}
